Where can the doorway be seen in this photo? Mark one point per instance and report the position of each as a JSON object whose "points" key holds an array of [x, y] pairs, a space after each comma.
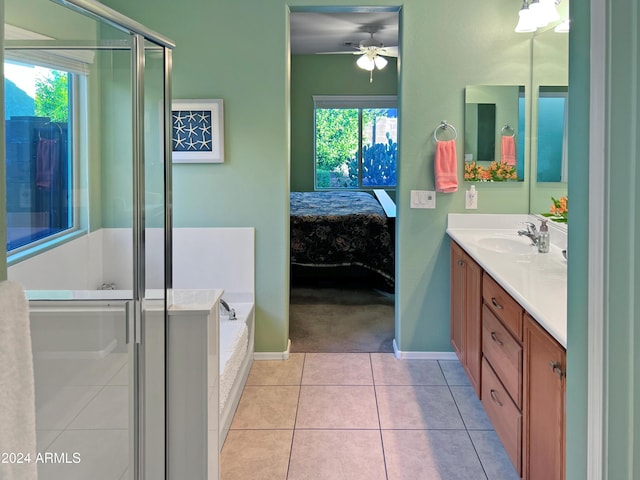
{"points": [[341, 303]]}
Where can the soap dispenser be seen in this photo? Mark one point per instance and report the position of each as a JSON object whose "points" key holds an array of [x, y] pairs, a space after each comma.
{"points": [[543, 238]]}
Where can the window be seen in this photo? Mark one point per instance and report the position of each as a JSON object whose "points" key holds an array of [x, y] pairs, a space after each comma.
{"points": [[356, 142], [39, 160]]}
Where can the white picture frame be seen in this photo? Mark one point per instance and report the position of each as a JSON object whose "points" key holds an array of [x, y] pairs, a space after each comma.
{"points": [[197, 131]]}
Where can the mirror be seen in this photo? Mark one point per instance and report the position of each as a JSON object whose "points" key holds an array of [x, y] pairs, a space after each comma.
{"points": [[549, 80], [494, 140]]}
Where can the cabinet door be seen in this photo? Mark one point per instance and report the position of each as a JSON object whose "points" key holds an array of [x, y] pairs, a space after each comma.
{"points": [[544, 378], [457, 300], [473, 322]]}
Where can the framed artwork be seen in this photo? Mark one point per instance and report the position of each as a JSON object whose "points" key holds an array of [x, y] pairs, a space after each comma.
{"points": [[197, 133]]}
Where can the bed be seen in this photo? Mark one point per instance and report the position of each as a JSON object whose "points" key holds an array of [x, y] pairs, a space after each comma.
{"points": [[337, 228]]}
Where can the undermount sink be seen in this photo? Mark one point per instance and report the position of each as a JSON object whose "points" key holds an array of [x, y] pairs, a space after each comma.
{"points": [[505, 244]]}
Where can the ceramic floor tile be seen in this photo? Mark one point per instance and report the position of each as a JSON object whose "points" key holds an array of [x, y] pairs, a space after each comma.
{"points": [[102, 455], [337, 369], [256, 454], [471, 409], [336, 454], [277, 372], [337, 407], [453, 372], [44, 438], [494, 459], [431, 454], [266, 407], [109, 409], [121, 377], [57, 407], [417, 407], [388, 370]]}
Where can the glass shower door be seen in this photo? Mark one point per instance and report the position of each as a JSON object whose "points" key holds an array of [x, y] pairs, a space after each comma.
{"points": [[96, 283]]}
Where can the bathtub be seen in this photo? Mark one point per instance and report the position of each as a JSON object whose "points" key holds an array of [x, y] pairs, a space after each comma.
{"points": [[236, 356]]}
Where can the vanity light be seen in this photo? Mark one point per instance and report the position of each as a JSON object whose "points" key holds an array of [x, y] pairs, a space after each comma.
{"points": [[525, 22], [562, 27]]}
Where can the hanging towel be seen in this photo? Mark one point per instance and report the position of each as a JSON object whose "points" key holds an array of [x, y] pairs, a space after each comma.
{"points": [[446, 167], [508, 150], [17, 398], [46, 157]]}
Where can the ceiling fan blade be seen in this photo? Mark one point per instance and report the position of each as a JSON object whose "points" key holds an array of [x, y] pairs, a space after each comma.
{"points": [[388, 51], [339, 53]]}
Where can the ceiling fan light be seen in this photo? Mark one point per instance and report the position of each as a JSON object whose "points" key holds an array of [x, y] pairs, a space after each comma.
{"points": [[380, 62], [563, 27], [365, 62], [526, 23]]}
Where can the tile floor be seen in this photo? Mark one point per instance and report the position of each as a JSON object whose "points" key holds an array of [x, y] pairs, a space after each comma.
{"points": [[361, 416], [82, 407]]}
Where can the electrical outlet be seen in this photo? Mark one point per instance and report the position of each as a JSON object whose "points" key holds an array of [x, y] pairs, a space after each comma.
{"points": [[471, 199]]}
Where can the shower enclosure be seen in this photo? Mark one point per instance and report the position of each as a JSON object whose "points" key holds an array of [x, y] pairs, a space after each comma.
{"points": [[88, 223]]}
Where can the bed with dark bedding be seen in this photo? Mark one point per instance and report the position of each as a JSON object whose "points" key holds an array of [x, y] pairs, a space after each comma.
{"points": [[331, 229]]}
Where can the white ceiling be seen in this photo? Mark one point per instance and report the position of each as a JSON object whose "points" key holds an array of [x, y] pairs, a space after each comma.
{"points": [[314, 32]]}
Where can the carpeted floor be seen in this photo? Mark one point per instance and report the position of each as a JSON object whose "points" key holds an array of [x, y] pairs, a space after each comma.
{"points": [[341, 320]]}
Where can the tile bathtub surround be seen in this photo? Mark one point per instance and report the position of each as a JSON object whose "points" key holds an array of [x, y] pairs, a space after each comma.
{"points": [[361, 416]]}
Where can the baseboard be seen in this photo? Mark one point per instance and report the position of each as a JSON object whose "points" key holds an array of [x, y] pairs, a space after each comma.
{"points": [[273, 355], [409, 355]]}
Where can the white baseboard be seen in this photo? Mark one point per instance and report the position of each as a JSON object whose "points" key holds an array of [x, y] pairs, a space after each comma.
{"points": [[273, 355], [409, 355]]}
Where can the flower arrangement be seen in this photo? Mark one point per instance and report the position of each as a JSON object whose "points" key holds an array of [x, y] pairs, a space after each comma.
{"points": [[559, 211], [495, 172]]}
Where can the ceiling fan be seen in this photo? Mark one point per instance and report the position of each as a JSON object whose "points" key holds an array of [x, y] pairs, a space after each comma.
{"points": [[372, 53]]}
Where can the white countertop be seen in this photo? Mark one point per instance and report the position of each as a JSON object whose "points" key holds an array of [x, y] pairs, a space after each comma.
{"points": [[537, 281]]}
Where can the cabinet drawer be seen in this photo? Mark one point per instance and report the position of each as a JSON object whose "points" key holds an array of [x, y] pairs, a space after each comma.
{"points": [[501, 303], [504, 354], [504, 415]]}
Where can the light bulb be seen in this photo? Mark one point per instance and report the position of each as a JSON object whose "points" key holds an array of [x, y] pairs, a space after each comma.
{"points": [[380, 62], [365, 62], [525, 21]]}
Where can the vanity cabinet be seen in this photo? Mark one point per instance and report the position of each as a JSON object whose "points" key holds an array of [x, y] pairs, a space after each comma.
{"points": [[466, 304], [544, 404], [502, 366], [516, 367]]}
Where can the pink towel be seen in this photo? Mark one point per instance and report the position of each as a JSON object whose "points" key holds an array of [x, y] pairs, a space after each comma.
{"points": [[445, 167], [508, 150]]}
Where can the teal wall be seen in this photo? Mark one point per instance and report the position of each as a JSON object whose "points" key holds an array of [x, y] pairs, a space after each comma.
{"points": [[326, 75], [241, 55]]}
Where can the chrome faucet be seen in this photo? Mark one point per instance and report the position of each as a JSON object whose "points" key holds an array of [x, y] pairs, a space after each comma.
{"points": [[530, 232], [227, 310]]}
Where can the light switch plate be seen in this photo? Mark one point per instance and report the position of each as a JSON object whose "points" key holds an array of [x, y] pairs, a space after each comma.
{"points": [[423, 199], [430, 199]]}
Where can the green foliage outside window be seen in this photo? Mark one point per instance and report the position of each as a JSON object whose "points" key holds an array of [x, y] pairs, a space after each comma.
{"points": [[52, 96]]}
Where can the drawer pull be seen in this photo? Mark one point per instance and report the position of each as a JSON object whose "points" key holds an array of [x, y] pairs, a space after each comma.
{"points": [[556, 367], [494, 397], [496, 304], [495, 338], [460, 262]]}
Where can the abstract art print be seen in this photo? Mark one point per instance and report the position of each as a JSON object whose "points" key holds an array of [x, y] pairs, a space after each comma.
{"points": [[197, 134]]}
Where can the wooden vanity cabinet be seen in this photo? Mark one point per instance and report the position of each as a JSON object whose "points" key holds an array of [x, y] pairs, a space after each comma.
{"points": [[515, 366], [466, 305], [544, 404]]}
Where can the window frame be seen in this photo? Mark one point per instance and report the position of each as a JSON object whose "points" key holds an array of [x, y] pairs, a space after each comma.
{"points": [[77, 128], [359, 102]]}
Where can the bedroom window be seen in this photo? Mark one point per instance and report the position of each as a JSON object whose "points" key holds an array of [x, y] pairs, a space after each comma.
{"points": [[356, 142], [39, 158]]}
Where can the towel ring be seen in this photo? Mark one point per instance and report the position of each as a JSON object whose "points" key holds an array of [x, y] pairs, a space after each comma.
{"points": [[508, 128], [443, 126]]}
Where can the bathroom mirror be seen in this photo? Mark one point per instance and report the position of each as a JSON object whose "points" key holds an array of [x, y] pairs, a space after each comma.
{"points": [[494, 140], [549, 80], [550, 59]]}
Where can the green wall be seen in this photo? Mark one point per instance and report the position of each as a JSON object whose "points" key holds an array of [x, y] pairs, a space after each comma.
{"points": [[240, 54], [326, 75]]}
